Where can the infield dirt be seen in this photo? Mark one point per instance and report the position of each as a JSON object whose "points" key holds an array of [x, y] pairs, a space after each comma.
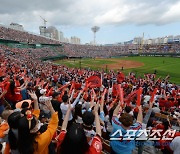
{"points": [[118, 64]]}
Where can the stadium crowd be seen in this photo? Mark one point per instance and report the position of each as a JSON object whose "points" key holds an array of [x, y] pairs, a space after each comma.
{"points": [[23, 36], [47, 108], [77, 50]]}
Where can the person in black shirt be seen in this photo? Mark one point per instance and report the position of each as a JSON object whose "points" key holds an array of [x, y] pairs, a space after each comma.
{"points": [[56, 105]]}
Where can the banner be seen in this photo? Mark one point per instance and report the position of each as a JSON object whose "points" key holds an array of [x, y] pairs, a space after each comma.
{"points": [[95, 81]]}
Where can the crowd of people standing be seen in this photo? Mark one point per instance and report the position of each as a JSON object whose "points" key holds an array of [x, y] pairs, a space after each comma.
{"points": [[47, 108]]}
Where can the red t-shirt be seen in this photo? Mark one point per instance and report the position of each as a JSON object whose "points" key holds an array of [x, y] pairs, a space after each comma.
{"points": [[16, 97], [95, 147], [162, 102]]}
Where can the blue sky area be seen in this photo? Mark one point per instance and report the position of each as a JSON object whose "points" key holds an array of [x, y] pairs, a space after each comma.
{"points": [[119, 20]]}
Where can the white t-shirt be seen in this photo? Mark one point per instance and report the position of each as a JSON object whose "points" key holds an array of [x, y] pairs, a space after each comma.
{"points": [[146, 98], [64, 108]]}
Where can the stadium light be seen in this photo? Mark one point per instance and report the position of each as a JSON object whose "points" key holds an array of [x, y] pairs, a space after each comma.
{"points": [[94, 30]]}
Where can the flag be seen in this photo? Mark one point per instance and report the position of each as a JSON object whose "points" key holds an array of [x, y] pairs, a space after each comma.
{"points": [[115, 89], [64, 86], [121, 94], [77, 86], [112, 104], [130, 97], [120, 77], [72, 87], [139, 92], [87, 85], [95, 81]]}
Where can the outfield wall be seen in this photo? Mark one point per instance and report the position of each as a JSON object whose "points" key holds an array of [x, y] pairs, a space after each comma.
{"points": [[150, 54], [177, 55]]}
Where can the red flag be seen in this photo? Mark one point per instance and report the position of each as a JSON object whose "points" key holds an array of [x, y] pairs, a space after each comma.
{"points": [[77, 86], [120, 77], [130, 96], [121, 94], [64, 86], [115, 89], [95, 81], [72, 87], [112, 104], [86, 86], [139, 92], [85, 96], [50, 92]]}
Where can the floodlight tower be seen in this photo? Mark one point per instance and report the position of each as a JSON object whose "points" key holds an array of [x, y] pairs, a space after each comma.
{"points": [[94, 30]]}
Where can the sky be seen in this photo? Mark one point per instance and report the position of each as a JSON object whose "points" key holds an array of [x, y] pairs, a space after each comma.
{"points": [[119, 20]]}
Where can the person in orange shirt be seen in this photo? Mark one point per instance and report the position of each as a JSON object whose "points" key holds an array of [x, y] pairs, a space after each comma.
{"points": [[3, 129], [29, 139]]}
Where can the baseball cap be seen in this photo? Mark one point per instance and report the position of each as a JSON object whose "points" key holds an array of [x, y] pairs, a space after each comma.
{"points": [[42, 91]]}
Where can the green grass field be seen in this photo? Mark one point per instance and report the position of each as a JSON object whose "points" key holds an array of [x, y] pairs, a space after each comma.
{"points": [[163, 65]]}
